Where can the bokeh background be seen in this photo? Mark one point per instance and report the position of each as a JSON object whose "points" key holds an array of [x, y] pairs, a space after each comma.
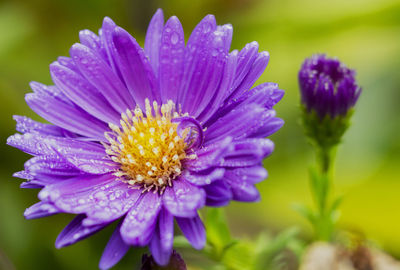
{"points": [[365, 34]]}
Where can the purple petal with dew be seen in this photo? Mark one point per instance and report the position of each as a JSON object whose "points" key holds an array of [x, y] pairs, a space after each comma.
{"points": [[269, 127], [30, 143], [171, 59], [50, 90], [27, 125], [114, 251], [75, 231], [194, 231], [221, 92], [195, 137], [248, 152], [138, 226], [209, 156], [204, 177], [135, 68], [243, 191], [91, 40], [239, 123], [30, 185], [257, 68], [153, 39], [51, 165], [100, 75], [252, 175], [208, 59], [218, 194], [100, 197], [246, 58], [193, 53], [67, 116], [162, 241], [68, 63], [40, 180], [83, 94], [107, 43], [41, 209], [183, 199]]}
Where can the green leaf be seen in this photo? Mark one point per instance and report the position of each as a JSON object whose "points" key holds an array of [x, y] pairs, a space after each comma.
{"points": [[218, 235]]}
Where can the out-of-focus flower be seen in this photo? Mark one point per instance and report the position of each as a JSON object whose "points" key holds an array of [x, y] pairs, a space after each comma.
{"points": [[327, 86], [328, 91], [148, 136], [175, 263]]}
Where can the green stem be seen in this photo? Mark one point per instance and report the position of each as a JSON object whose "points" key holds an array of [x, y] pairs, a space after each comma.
{"points": [[321, 189]]}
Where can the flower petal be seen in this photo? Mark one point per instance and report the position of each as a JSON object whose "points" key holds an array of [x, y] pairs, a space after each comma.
{"points": [[82, 93], [50, 165], [218, 194], [204, 177], [114, 251], [100, 75], [194, 231], [67, 116], [75, 231], [100, 197], [27, 125], [135, 68], [162, 241], [183, 199], [139, 224], [171, 59], [208, 60], [243, 191], [209, 156], [248, 152], [41, 209], [251, 175], [153, 39]]}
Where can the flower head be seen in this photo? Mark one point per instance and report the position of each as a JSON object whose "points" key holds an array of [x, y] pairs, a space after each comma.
{"points": [[327, 86], [146, 136], [328, 91]]}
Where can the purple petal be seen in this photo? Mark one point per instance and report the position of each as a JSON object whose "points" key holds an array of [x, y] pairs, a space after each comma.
{"points": [[171, 59], [100, 197], [226, 84], [68, 63], [208, 61], [91, 40], [75, 231], [66, 116], [218, 194], [243, 191], [248, 152], [114, 251], [27, 125], [139, 224], [100, 75], [31, 144], [194, 231], [183, 199], [251, 175], [269, 127], [239, 123], [194, 52], [162, 241], [29, 184], [135, 68], [51, 165], [107, 43], [204, 177], [257, 68], [153, 39], [247, 56], [41, 209], [209, 156], [82, 93]]}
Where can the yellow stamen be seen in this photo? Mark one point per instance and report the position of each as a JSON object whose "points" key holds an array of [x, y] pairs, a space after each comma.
{"points": [[147, 147]]}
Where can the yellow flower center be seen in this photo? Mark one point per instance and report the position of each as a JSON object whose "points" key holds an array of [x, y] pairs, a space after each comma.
{"points": [[148, 147]]}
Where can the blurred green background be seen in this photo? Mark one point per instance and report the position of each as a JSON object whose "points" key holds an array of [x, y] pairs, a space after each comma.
{"points": [[365, 34]]}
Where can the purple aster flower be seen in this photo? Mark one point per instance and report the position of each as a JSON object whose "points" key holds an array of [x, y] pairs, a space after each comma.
{"points": [[148, 136], [327, 86]]}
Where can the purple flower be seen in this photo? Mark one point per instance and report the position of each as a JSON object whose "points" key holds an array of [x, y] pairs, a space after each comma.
{"points": [[327, 86], [148, 136]]}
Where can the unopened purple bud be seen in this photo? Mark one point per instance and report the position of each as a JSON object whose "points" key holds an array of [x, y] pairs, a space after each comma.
{"points": [[327, 86]]}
